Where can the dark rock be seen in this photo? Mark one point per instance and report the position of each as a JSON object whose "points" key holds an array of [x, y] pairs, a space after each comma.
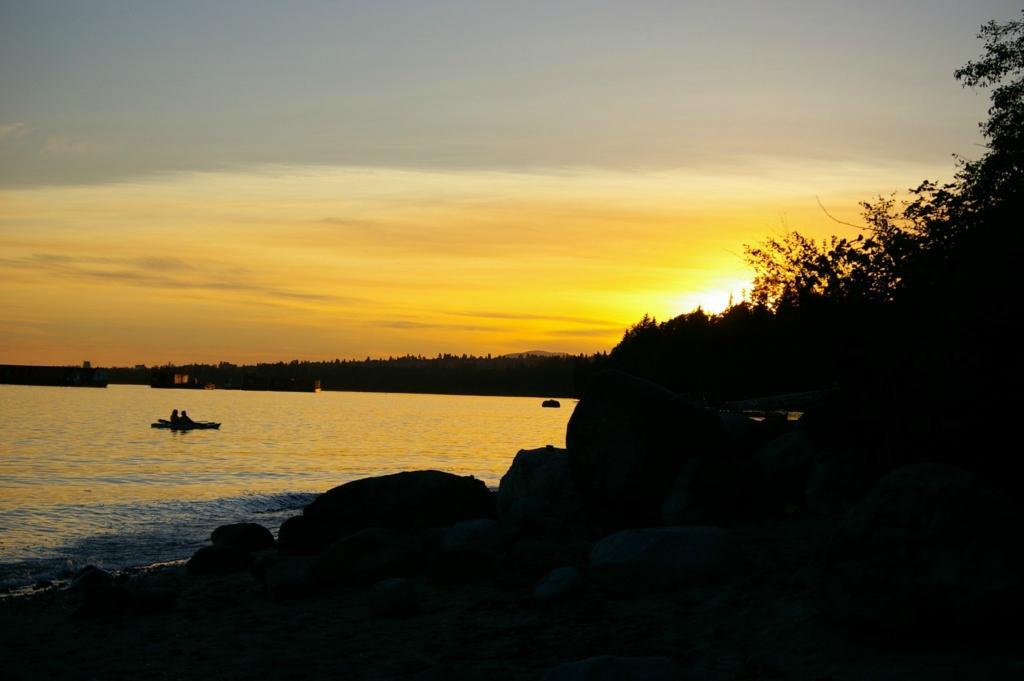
{"points": [[560, 584], [537, 494], [261, 561], [91, 576], [930, 548], [643, 560], [249, 537], [102, 600], [154, 600], [394, 598], [839, 481], [285, 576], [785, 466], [712, 491], [843, 420], [374, 554], [610, 668], [298, 536], [472, 537], [627, 439], [530, 558], [409, 500], [470, 547], [743, 436], [215, 560]]}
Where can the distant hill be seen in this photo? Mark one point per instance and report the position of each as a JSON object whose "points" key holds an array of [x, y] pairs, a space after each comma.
{"points": [[535, 353]]}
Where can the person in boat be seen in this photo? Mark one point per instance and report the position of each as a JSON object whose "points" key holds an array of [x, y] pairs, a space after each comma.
{"points": [[184, 418], [175, 418]]}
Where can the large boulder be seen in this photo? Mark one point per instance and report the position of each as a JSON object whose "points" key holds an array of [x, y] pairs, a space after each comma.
{"points": [[742, 436], [712, 491], [297, 536], [249, 537], [217, 560], [409, 500], [930, 547], [785, 465], [91, 577], [844, 420], [612, 668], [627, 439], [537, 495], [285, 576], [469, 538], [374, 554], [560, 584], [838, 481], [642, 560], [468, 548], [530, 558]]}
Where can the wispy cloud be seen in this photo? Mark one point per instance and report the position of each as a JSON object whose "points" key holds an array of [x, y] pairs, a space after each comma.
{"points": [[607, 332], [350, 222], [407, 324], [517, 316], [13, 131], [59, 145], [165, 273]]}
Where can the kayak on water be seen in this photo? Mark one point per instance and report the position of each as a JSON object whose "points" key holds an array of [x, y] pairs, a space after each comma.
{"points": [[195, 425]]}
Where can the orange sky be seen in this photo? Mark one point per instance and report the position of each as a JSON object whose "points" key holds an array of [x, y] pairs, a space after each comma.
{"points": [[323, 262], [254, 180]]}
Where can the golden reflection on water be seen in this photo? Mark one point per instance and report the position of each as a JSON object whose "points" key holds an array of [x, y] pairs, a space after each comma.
{"points": [[78, 447]]}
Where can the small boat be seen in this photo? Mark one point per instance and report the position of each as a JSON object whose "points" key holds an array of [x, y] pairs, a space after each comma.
{"points": [[195, 425], [551, 404]]}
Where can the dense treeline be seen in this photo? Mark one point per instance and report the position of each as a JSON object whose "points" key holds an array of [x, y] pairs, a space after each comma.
{"points": [[534, 375], [747, 351], [916, 317]]}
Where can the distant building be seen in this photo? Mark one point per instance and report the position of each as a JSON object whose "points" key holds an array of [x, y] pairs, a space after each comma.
{"points": [[169, 378], [76, 377]]}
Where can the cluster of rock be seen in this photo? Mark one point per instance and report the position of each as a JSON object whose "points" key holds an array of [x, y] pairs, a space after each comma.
{"points": [[641, 500], [104, 593]]}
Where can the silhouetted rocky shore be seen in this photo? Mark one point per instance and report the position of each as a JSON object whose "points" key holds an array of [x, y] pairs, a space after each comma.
{"points": [[666, 542]]}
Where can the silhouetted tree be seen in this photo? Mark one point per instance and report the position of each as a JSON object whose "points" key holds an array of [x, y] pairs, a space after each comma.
{"points": [[915, 318], [915, 243]]}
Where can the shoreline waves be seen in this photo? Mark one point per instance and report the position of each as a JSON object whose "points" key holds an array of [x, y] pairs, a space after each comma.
{"points": [[150, 533]]}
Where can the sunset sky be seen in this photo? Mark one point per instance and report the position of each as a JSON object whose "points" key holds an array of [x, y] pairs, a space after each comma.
{"points": [[247, 181]]}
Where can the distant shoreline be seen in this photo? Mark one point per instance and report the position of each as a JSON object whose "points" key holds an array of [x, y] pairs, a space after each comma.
{"points": [[387, 392]]}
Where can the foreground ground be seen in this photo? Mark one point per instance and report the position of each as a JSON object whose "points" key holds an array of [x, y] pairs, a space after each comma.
{"points": [[764, 624]]}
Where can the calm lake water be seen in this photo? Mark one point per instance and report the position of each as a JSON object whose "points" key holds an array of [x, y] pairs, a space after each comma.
{"points": [[84, 479]]}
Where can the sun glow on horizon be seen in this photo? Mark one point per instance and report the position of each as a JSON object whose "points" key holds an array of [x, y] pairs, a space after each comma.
{"points": [[325, 262], [717, 298]]}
